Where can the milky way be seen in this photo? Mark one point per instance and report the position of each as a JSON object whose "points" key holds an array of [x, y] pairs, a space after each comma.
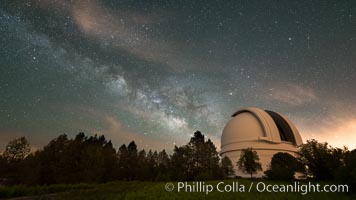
{"points": [[155, 72]]}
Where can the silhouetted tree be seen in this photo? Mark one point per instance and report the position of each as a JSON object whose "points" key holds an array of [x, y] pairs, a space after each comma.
{"points": [[249, 162], [195, 148], [14, 155], [346, 172], [17, 149], [3, 169], [163, 166], [197, 160], [179, 166], [227, 168], [143, 172], [55, 164], [132, 162], [123, 164], [320, 159], [283, 167], [210, 162], [83, 159], [97, 157], [94, 159], [152, 164], [110, 163]]}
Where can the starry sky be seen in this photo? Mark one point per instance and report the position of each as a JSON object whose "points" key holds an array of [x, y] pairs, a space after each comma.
{"points": [[156, 71]]}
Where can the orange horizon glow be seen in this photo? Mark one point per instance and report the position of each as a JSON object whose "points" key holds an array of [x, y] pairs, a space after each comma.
{"points": [[337, 135]]}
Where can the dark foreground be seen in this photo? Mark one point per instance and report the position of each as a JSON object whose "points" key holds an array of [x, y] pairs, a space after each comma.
{"points": [[153, 190]]}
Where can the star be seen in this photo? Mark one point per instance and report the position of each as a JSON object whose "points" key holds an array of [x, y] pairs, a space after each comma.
{"points": [[156, 72]]}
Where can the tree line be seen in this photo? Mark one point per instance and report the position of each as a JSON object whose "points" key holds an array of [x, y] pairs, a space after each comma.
{"points": [[94, 160]]}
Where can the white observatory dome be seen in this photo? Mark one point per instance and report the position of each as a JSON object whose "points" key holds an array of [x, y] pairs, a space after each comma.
{"points": [[266, 132]]}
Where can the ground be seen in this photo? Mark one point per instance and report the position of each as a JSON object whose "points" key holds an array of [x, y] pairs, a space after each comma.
{"points": [[152, 190]]}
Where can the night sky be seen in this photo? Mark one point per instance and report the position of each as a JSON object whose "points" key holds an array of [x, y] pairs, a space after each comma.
{"points": [[156, 71]]}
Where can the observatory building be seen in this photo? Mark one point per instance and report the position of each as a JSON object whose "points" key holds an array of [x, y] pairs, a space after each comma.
{"points": [[266, 132]]}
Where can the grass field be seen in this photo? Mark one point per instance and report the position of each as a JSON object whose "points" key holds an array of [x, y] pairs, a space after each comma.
{"points": [[153, 190]]}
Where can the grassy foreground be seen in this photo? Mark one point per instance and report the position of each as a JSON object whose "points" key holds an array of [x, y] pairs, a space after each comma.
{"points": [[152, 190]]}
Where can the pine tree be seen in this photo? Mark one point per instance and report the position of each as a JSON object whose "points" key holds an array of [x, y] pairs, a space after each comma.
{"points": [[227, 168]]}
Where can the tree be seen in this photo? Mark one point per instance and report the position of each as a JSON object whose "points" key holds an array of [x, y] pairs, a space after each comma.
{"points": [[132, 160], [54, 162], [3, 169], [15, 153], [227, 169], [123, 164], [163, 166], [179, 166], [350, 166], [143, 172], [152, 158], [197, 160], [283, 167], [210, 162], [249, 162], [110, 162], [347, 172], [17, 149], [320, 159]]}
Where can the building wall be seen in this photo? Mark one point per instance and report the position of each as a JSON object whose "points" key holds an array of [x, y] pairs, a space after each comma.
{"points": [[264, 150]]}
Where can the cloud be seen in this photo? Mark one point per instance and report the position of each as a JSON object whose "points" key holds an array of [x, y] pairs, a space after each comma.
{"points": [[94, 21], [124, 30], [292, 94]]}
